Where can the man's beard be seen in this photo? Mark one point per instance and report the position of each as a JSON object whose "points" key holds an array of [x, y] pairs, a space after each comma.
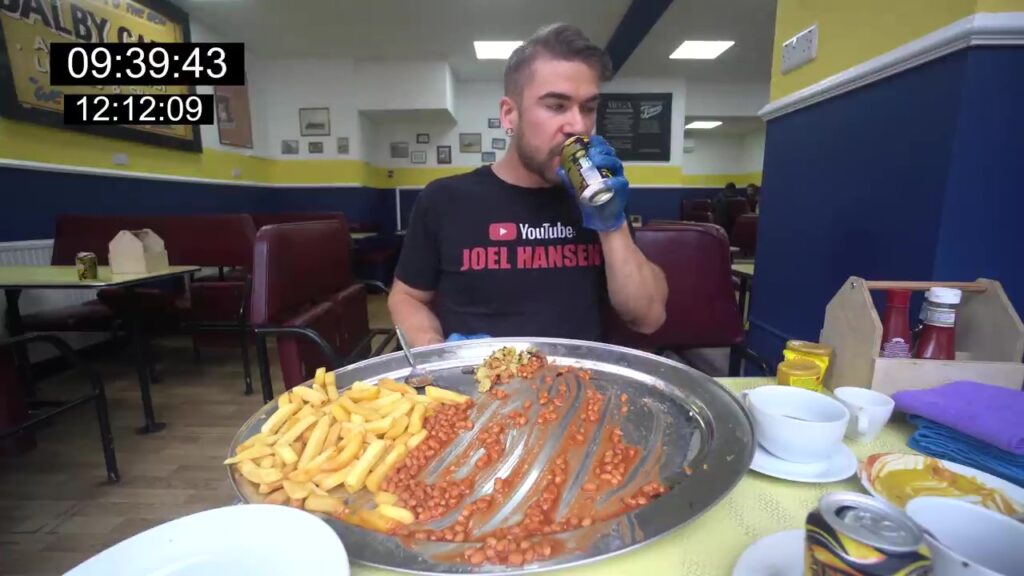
{"points": [[538, 166]]}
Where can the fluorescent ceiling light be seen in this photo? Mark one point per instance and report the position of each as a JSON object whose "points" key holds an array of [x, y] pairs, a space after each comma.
{"points": [[487, 50], [703, 124], [701, 49]]}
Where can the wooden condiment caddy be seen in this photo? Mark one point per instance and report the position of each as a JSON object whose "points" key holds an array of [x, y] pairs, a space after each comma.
{"points": [[989, 340]]}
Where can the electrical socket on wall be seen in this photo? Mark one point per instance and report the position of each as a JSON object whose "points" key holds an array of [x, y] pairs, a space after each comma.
{"points": [[800, 49], [236, 172], [120, 159]]}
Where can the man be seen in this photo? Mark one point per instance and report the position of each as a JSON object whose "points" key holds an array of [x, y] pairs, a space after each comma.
{"points": [[507, 250]]}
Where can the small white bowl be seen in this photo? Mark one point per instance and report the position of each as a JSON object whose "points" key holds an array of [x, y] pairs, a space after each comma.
{"points": [[968, 540]]}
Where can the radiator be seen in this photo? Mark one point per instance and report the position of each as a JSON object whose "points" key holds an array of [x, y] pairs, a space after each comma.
{"points": [[37, 253]]}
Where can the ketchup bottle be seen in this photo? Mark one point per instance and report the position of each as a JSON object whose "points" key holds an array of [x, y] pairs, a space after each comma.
{"points": [[938, 337], [896, 340]]}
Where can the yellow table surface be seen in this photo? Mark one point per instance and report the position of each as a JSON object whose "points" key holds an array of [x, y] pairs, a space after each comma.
{"points": [[67, 277], [758, 506], [744, 268]]}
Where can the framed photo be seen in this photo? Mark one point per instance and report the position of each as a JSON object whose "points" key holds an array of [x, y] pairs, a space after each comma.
{"points": [[497, 143], [314, 121], [444, 154], [494, 122], [423, 138], [636, 220], [419, 157], [289, 146], [316, 147], [234, 124], [470, 142], [343, 145], [399, 149], [488, 157]]}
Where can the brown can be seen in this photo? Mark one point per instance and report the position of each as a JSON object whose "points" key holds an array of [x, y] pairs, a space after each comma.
{"points": [[591, 184], [87, 266]]}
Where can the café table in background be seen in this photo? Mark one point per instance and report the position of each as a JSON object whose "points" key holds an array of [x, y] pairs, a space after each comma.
{"points": [[15, 279], [757, 507]]}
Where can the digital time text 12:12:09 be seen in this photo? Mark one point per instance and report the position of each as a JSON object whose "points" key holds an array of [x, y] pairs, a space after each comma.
{"points": [[151, 109]]}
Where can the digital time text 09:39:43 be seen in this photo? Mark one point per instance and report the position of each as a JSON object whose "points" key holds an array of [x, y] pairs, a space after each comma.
{"points": [[145, 64]]}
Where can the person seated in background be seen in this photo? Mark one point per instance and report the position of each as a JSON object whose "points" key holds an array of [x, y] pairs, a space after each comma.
{"points": [[508, 249], [720, 204], [753, 195]]}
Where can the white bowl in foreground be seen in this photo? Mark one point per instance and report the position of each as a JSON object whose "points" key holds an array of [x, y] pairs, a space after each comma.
{"points": [[254, 540], [968, 540]]}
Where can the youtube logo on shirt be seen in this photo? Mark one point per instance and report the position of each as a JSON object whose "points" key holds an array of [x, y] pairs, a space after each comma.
{"points": [[501, 231]]}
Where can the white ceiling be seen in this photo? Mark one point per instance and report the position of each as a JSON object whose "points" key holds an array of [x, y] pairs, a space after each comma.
{"points": [[445, 30], [731, 126]]}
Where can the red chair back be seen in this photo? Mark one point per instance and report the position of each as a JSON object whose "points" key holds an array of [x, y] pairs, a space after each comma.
{"points": [[302, 277], [694, 206], [701, 310], [744, 234]]}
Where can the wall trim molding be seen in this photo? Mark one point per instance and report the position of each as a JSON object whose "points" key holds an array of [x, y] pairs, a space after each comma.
{"points": [[70, 169], [982, 29], [87, 170]]}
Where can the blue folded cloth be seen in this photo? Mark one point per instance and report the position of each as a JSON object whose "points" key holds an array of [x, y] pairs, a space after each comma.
{"points": [[945, 443]]}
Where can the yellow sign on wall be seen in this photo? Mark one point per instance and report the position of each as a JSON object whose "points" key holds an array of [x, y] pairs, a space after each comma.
{"points": [[29, 27]]}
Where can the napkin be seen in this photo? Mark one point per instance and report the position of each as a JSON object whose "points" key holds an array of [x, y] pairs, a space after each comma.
{"points": [[942, 442], [986, 412]]}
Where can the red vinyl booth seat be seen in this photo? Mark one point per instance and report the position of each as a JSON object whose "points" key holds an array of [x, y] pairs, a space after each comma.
{"points": [[701, 310], [744, 234], [302, 277]]}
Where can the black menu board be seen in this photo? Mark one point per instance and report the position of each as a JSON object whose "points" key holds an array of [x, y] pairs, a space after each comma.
{"points": [[638, 126]]}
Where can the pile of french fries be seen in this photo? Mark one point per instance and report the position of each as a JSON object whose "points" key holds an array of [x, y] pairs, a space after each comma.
{"points": [[322, 446]]}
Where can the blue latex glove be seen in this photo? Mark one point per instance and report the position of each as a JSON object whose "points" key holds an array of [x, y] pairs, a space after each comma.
{"points": [[456, 337], [612, 214]]}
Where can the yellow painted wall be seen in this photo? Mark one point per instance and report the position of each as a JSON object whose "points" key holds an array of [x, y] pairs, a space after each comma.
{"points": [[33, 143], [853, 31], [1000, 6]]}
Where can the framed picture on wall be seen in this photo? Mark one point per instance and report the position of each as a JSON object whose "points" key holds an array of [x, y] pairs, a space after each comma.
{"points": [[234, 124], [316, 147], [488, 157], [289, 146], [494, 122], [444, 154], [314, 121], [399, 149], [419, 157], [470, 142], [423, 138], [343, 145], [497, 143]]}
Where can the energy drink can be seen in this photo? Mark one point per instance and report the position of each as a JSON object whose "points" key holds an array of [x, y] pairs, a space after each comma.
{"points": [[591, 184], [86, 265], [852, 534]]}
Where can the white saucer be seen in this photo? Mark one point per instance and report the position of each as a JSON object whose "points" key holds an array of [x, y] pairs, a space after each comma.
{"points": [[781, 554], [840, 466]]}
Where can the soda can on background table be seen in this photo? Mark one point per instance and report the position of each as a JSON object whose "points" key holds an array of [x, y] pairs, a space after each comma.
{"points": [[87, 266], [851, 534], [591, 184]]}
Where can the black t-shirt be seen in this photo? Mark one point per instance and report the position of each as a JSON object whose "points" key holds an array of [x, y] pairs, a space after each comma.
{"points": [[505, 260]]}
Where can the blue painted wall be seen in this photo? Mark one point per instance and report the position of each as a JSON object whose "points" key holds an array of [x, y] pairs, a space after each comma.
{"points": [[31, 198], [910, 178]]}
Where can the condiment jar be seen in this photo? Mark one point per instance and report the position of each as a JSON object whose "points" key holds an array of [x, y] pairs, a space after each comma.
{"points": [[938, 336], [799, 372]]}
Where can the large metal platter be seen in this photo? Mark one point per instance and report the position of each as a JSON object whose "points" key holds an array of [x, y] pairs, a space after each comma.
{"points": [[676, 415]]}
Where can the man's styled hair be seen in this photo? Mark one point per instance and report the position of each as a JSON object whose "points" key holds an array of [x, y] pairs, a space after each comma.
{"points": [[557, 41]]}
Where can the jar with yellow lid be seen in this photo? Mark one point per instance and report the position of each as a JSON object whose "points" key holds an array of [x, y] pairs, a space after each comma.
{"points": [[801, 373], [820, 354]]}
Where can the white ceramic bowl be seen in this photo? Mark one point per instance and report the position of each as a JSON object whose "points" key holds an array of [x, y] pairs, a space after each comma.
{"points": [[254, 539], [797, 424], [968, 540]]}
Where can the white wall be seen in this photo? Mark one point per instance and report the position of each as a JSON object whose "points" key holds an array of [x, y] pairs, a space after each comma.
{"points": [[725, 99], [287, 85], [728, 154], [402, 85]]}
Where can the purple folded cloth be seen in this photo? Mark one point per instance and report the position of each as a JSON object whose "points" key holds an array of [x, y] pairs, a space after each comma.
{"points": [[989, 413]]}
